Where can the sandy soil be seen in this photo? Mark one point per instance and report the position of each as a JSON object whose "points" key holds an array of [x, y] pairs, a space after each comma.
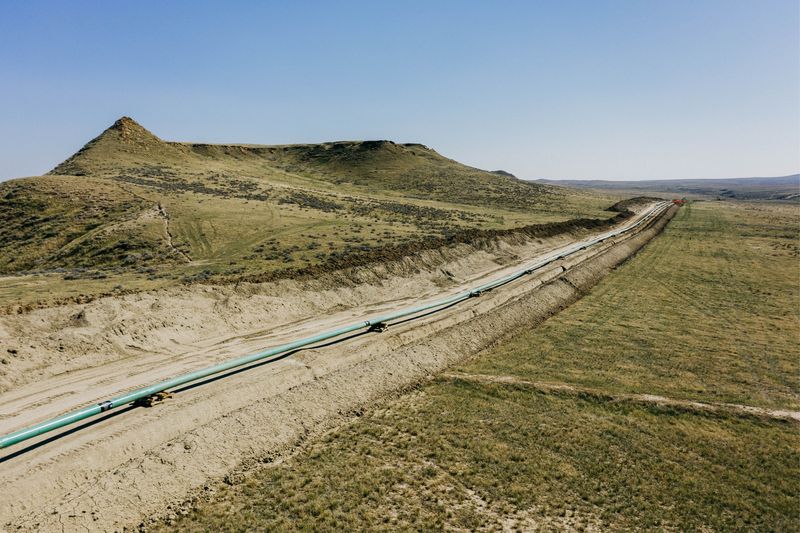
{"points": [[137, 463], [155, 326]]}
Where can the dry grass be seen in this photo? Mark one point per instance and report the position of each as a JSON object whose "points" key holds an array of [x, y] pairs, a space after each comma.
{"points": [[465, 456], [706, 311], [710, 311]]}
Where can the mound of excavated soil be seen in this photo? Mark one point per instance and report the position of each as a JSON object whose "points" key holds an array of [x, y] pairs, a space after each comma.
{"points": [[634, 204], [48, 341]]}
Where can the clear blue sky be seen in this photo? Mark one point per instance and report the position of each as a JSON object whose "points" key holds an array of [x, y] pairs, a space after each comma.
{"points": [[565, 89]]}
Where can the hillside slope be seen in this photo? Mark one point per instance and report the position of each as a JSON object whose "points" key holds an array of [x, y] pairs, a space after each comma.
{"points": [[413, 170], [132, 206]]}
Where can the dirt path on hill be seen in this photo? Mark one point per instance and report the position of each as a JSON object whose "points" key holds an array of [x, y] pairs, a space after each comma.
{"points": [[135, 463], [168, 234]]}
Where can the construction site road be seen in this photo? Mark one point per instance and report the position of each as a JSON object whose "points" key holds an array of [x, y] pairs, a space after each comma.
{"points": [[116, 470]]}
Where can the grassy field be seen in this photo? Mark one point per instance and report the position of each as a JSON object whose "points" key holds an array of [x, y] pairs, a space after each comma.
{"points": [[134, 211], [708, 311], [785, 188]]}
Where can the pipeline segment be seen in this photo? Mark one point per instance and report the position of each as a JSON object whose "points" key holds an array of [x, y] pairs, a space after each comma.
{"points": [[142, 393]]}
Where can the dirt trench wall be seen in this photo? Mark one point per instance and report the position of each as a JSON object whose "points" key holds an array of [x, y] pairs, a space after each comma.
{"points": [[49, 341]]}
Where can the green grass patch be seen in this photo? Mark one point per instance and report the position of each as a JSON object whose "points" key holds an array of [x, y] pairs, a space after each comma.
{"points": [[464, 455], [708, 311]]}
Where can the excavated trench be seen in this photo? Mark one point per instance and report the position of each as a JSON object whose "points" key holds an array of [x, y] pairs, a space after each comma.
{"points": [[147, 462]]}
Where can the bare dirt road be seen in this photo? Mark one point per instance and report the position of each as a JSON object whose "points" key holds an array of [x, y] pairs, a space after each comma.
{"points": [[116, 471]]}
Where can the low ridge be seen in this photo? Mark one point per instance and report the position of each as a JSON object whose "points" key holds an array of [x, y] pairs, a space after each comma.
{"points": [[411, 169]]}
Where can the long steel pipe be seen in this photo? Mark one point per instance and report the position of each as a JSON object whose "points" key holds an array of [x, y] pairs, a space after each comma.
{"points": [[138, 394]]}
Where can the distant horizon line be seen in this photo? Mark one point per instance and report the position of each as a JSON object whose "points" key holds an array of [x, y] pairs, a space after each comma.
{"points": [[127, 119], [634, 180], [600, 180]]}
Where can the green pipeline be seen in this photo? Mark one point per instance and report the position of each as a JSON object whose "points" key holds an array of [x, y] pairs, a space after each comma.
{"points": [[113, 403]]}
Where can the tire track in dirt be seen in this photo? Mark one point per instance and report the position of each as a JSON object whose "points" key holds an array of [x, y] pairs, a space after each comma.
{"points": [[648, 399]]}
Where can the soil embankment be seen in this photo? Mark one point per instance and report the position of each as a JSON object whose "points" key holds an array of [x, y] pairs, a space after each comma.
{"points": [[155, 324]]}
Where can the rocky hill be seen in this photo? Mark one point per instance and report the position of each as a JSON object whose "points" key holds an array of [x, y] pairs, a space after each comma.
{"points": [[152, 211]]}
